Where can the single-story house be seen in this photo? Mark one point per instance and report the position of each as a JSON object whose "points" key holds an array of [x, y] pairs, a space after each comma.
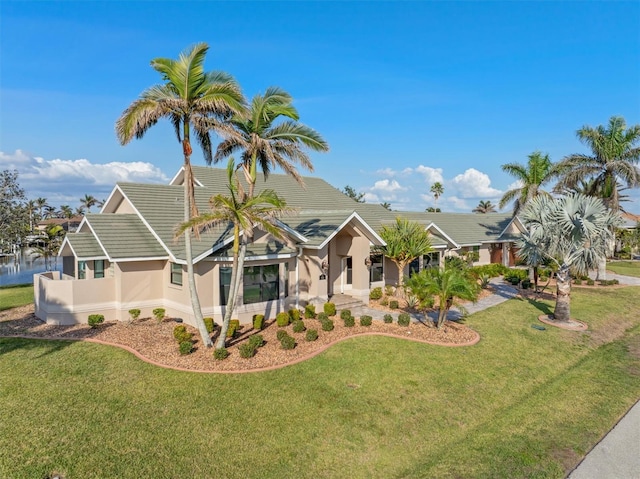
{"points": [[127, 257]]}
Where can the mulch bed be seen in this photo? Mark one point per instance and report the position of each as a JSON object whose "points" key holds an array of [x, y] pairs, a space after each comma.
{"points": [[154, 342]]}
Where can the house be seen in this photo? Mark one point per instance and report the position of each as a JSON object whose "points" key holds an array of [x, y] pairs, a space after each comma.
{"points": [[127, 256]]}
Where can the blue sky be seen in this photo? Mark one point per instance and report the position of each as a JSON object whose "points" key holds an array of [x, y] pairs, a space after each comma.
{"points": [[406, 93]]}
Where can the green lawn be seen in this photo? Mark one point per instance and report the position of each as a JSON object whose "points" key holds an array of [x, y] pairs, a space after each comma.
{"points": [[522, 403], [628, 268], [18, 295]]}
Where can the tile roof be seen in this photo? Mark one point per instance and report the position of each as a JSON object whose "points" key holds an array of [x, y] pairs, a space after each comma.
{"points": [[85, 246]]}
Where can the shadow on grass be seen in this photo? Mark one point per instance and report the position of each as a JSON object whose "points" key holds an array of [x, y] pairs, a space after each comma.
{"points": [[9, 345]]}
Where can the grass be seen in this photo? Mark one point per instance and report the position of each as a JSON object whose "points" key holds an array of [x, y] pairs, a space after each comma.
{"points": [[522, 403], [627, 268], [15, 295]]}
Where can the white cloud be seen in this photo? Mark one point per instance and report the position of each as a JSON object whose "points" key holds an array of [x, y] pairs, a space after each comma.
{"points": [[387, 172], [371, 198], [431, 175], [474, 184], [457, 204], [65, 181], [388, 186], [515, 185]]}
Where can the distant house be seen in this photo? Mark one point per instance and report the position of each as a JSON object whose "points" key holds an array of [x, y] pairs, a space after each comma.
{"points": [[68, 224], [126, 256]]}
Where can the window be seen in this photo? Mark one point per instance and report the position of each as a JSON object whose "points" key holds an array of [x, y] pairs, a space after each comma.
{"points": [[225, 283], [414, 267], [431, 260], [176, 274], [82, 269], [286, 280], [375, 273], [98, 268], [261, 283]]}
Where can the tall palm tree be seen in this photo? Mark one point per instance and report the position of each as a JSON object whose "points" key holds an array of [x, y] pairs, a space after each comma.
{"points": [[87, 202], [485, 207], [245, 213], [615, 152], [437, 190], [190, 98], [531, 177], [41, 203], [31, 209]]}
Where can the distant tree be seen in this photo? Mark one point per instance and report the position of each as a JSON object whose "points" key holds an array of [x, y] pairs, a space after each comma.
{"points": [[431, 209], [66, 211], [437, 190], [14, 215], [49, 244], [49, 212], [484, 207], [31, 211], [386, 205], [41, 204], [87, 202], [79, 211], [353, 194], [538, 171]]}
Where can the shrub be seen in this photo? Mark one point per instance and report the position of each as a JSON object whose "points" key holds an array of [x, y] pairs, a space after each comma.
{"points": [[393, 304], [186, 347], [376, 293], [455, 262], [134, 313], [484, 280], [322, 316], [412, 301], [294, 314], [95, 319], [388, 318], [298, 326], [345, 313], [257, 341], [384, 301], [282, 319], [526, 283], [220, 354], [492, 270], [247, 350], [590, 282], [209, 324], [327, 325], [404, 319], [234, 326], [281, 334], [428, 303], [365, 320], [310, 311], [288, 342], [181, 334], [312, 335], [389, 290], [258, 321], [329, 309], [577, 281], [158, 313], [349, 322], [514, 276]]}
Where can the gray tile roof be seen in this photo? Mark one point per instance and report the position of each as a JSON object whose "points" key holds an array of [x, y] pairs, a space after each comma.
{"points": [[85, 245]]}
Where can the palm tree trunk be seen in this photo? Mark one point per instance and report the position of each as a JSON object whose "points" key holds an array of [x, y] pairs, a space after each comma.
{"points": [[234, 288], [562, 310], [442, 315]]}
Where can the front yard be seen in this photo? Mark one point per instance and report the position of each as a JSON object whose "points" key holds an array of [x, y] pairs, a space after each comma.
{"points": [[522, 403], [627, 268]]}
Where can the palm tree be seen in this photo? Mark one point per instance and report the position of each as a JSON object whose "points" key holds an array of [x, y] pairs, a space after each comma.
{"points": [[245, 213], [405, 241], [31, 209], [49, 244], [571, 231], [484, 207], [615, 151], [190, 98], [437, 190], [41, 203], [87, 202], [531, 177], [386, 205], [448, 284]]}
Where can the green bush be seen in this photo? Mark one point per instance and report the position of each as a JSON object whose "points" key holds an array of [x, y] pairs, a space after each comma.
{"points": [[376, 293], [288, 342], [312, 335], [328, 325], [526, 283], [404, 319], [514, 276], [298, 326], [412, 301], [294, 314], [393, 304], [134, 313], [345, 313], [257, 341], [258, 321], [349, 322], [209, 324], [428, 303], [310, 311], [455, 262], [180, 333], [322, 316], [281, 334], [484, 280], [365, 320], [247, 350], [577, 281], [590, 282], [185, 347], [329, 309], [234, 326], [220, 354], [95, 320], [388, 318], [159, 313], [283, 319], [492, 270], [384, 301]]}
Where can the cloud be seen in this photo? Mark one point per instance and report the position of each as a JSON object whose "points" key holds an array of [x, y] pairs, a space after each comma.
{"points": [[474, 184], [65, 181], [387, 186], [387, 172], [431, 175]]}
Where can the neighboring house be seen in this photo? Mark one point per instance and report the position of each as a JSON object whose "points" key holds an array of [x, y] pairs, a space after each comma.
{"points": [[126, 256], [68, 224]]}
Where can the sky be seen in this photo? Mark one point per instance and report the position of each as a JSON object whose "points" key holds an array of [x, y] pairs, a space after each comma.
{"points": [[405, 93]]}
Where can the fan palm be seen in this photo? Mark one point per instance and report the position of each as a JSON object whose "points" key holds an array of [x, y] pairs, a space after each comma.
{"points": [[190, 98], [245, 213], [615, 152], [437, 190], [573, 232], [87, 202], [485, 207], [531, 177]]}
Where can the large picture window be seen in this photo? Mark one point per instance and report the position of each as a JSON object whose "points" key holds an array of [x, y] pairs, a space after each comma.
{"points": [[98, 268], [176, 274], [261, 283], [375, 273]]}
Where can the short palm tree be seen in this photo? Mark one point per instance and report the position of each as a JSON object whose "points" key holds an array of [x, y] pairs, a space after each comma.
{"points": [[87, 202], [49, 244], [531, 177], [573, 232], [189, 98], [615, 152], [437, 190], [245, 213], [448, 284], [485, 207]]}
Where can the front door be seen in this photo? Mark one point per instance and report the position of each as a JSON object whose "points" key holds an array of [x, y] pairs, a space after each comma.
{"points": [[347, 274]]}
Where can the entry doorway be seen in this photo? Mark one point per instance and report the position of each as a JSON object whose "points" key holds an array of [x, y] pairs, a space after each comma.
{"points": [[346, 278]]}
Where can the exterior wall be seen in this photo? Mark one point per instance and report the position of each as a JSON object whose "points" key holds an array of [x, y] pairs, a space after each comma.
{"points": [[138, 285], [312, 288], [349, 243]]}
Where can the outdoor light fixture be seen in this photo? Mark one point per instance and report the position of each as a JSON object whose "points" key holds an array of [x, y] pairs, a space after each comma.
{"points": [[324, 266], [367, 262]]}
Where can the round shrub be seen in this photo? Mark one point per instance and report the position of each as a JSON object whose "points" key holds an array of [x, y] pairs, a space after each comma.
{"points": [[281, 334], [404, 319], [329, 309], [577, 281], [209, 324], [258, 321], [310, 311], [376, 293], [365, 320], [298, 326], [186, 347], [220, 354], [388, 318], [312, 335], [322, 316], [282, 319], [158, 313], [134, 313], [246, 350], [393, 304], [179, 331], [345, 313], [590, 282], [384, 302], [349, 322], [327, 325], [95, 320], [294, 314], [234, 326], [257, 341], [288, 342]]}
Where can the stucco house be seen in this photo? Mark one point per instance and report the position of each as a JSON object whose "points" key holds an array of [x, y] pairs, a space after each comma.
{"points": [[127, 256]]}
